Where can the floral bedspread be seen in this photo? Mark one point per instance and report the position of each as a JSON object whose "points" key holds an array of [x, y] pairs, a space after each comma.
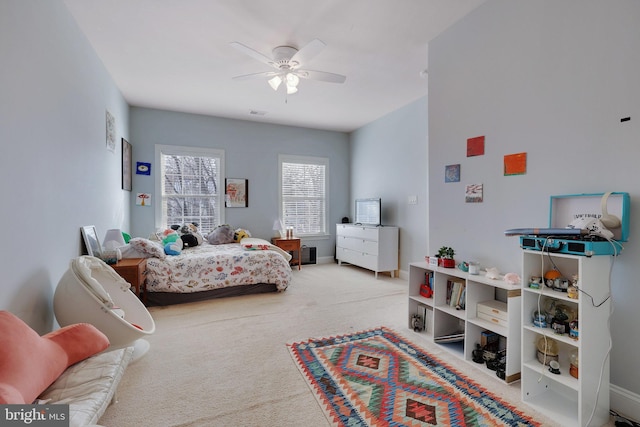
{"points": [[208, 267]]}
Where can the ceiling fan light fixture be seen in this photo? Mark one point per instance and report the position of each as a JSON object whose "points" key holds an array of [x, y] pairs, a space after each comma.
{"points": [[292, 83], [292, 80], [275, 82]]}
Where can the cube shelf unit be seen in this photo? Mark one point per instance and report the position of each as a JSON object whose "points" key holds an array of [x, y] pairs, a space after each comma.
{"points": [[442, 319], [569, 401]]}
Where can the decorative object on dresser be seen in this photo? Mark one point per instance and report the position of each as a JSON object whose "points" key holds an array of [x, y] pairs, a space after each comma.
{"points": [[460, 314], [387, 380], [91, 242], [371, 247]]}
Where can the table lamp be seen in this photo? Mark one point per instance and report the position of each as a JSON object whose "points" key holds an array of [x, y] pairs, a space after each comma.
{"points": [[113, 239], [278, 228]]}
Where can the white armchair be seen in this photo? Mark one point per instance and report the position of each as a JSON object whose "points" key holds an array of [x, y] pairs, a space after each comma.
{"points": [[90, 291]]}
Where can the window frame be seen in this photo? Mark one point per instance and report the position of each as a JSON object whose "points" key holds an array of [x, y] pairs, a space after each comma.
{"points": [[310, 160], [187, 151]]}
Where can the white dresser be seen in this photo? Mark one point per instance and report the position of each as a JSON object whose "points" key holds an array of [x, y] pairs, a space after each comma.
{"points": [[370, 247]]}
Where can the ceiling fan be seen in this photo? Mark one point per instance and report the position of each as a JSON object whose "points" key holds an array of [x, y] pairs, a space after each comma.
{"points": [[287, 61]]}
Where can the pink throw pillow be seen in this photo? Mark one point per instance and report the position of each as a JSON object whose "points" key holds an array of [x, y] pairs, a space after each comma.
{"points": [[29, 363]]}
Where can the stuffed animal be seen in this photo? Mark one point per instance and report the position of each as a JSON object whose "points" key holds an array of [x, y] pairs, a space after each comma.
{"points": [[189, 234], [240, 234], [172, 242], [221, 234]]}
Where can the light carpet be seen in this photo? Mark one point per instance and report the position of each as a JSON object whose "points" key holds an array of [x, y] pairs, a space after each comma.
{"points": [[378, 378], [225, 362]]}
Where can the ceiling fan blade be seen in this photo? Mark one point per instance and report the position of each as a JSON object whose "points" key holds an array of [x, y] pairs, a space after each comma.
{"points": [[322, 76], [310, 50], [256, 75], [253, 53]]}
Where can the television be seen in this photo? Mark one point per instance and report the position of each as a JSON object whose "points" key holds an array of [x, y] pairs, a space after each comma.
{"points": [[368, 211]]}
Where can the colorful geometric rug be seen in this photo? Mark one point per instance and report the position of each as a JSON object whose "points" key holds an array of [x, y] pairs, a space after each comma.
{"points": [[377, 378]]}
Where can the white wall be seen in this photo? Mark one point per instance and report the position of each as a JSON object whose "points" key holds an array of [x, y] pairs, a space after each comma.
{"points": [[389, 160], [552, 79], [57, 174], [251, 152]]}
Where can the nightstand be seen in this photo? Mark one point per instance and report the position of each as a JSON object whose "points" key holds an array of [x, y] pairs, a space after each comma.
{"points": [[134, 271], [290, 245]]}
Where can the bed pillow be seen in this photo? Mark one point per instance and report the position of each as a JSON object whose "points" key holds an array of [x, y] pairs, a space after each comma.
{"points": [[221, 235], [148, 248], [29, 363]]}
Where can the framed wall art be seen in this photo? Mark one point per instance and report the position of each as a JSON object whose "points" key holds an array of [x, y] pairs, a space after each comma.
{"points": [[91, 242], [127, 165], [111, 132], [452, 173], [143, 168], [475, 146], [515, 164], [236, 193], [473, 193]]}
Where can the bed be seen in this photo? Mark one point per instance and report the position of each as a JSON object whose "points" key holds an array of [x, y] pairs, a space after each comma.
{"points": [[214, 271]]}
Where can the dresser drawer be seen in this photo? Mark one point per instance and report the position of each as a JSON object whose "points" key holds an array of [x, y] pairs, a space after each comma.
{"points": [[365, 246], [287, 245], [368, 233]]}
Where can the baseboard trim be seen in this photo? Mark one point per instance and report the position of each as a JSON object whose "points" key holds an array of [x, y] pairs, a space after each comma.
{"points": [[624, 402]]}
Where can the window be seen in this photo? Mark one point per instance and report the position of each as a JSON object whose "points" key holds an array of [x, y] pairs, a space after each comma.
{"points": [[304, 194], [188, 185]]}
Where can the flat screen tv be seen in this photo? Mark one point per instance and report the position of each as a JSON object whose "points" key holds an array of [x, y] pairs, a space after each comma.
{"points": [[368, 211]]}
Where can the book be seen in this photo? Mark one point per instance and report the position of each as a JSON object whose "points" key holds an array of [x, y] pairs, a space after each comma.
{"points": [[463, 297], [456, 293], [454, 337]]}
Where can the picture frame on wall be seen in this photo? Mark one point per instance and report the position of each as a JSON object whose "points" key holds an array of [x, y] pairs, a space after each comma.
{"points": [[236, 192], [127, 165], [111, 132]]}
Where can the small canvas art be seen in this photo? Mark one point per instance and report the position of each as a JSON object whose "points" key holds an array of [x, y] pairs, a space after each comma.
{"points": [[475, 146], [515, 164], [473, 193], [452, 173], [143, 199], [143, 168]]}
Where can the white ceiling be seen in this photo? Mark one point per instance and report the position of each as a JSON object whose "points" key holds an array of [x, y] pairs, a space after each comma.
{"points": [[176, 55]]}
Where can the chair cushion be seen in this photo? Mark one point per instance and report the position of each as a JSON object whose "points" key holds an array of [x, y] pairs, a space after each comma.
{"points": [[89, 386], [29, 363]]}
